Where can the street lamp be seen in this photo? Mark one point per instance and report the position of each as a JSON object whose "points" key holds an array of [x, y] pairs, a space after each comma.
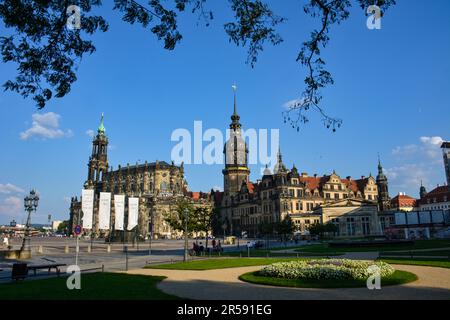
{"points": [[186, 215], [31, 202]]}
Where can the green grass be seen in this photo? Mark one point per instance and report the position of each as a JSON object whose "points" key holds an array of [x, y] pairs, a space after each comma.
{"points": [[398, 277], [419, 244], [264, 253], [445, 253], [94, 286], [441, 263], [209, 264]]}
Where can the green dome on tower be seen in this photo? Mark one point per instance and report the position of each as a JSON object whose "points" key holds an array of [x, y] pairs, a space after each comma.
{"points": [[101, 128]]}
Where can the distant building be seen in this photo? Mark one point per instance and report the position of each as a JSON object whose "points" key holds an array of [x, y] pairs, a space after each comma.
{"points": [[437, 199], [419, 224], [55, 224], [403, 202]]}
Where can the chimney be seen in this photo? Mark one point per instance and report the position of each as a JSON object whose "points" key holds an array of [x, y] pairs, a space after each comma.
{"points": [[315, 175], [304, 174], [349, 178], [363, 177]]}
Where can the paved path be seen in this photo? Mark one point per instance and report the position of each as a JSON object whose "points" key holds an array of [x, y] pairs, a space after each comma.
{"points": [[223, 284]]}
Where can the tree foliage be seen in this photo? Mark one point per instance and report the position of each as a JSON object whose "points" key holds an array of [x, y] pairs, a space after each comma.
{"points": [[285, 228], [184, 212], [47, 53], [319, 229]]}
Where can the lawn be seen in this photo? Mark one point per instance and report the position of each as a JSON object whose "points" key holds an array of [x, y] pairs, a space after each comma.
{"points": [[271, 253], [399, 277], [418, 244], [445, 253], [94, 286], [209, 264], [418, 262]]}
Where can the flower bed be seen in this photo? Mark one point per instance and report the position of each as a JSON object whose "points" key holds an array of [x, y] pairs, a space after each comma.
{"points": [[326, 269]]}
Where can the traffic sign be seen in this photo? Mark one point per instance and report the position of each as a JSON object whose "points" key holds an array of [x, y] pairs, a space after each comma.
{"points": [[78, 229]]}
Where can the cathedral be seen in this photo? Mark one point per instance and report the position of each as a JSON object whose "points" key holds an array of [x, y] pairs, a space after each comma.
{"points": [[158, 185], [358, 207]]}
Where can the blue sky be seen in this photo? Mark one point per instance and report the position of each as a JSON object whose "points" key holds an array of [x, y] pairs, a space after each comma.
{"points": [[391, 89]]}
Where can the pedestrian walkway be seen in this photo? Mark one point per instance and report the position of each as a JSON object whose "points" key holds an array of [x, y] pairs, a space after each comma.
{"points": [[223, 284]]}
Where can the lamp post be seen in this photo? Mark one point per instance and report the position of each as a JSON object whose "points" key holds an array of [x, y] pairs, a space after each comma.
{"points": [[31, 202], [186, 216]]}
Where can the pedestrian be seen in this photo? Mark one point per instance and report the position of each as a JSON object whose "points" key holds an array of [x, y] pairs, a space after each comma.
{"points": [[6, 241]]}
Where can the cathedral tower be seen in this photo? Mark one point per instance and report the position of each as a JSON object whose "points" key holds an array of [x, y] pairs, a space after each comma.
{"points": [[98, 161], [236, 154], [383, 189]]}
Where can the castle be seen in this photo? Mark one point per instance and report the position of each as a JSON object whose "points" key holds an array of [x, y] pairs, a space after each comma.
{"points": [[358, 207]]}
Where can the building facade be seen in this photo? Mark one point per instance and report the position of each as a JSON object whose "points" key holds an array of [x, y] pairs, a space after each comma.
{"points": [[158, 185], [246, 206]]}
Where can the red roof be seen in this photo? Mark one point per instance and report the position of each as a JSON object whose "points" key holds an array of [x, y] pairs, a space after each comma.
{"points": [[402, 201], [441, 194], [250, 187], [317, 183]]}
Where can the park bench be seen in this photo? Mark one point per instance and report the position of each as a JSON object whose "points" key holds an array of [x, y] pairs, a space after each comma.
{"points": [[49, 267]]}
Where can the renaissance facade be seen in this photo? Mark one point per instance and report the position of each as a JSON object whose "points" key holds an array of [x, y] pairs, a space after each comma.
{"points": [[158, 185], [356, 206]]}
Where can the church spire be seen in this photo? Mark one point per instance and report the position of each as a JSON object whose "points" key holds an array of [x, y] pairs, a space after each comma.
{"points": [[235, 117]]}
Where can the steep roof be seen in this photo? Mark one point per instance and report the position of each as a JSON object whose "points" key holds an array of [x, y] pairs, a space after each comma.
{"points": [[403, 200], [440, 194]]}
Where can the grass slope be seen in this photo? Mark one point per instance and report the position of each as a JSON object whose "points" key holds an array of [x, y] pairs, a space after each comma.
{"points": [[94, 286], [219, 263], [441, 263]]}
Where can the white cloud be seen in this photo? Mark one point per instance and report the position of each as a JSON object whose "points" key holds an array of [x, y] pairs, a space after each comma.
{"points": [[407, 150], [45, 126], [408, 176], [10, 188], [293, 103], [11, 206], [417, 162], [90, 133], [429, 147]]}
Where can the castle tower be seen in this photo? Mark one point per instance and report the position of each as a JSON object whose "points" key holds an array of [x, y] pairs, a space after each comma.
{"points": [[383, 189], [236, 154], [446, 153], [423, 190], [98, 161]]}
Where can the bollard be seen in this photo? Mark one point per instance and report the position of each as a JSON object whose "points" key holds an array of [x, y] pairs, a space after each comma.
{"points": [[40, 250], [240, 254], [108, 248], [66, 249], [103, 268], [297, 255], [89, 248]]}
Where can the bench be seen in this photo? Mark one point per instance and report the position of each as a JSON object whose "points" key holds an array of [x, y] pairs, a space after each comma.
{"points": [[49, 267]]}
